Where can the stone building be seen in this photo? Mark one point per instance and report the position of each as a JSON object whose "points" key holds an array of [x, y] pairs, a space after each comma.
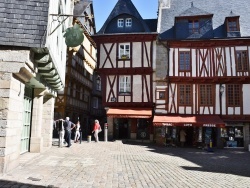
{"points": [[32, 70]]}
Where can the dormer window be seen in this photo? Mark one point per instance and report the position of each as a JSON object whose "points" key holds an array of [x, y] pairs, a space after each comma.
{"points": [[128, 22], [193, 26], [233, 24], [120, 22]]}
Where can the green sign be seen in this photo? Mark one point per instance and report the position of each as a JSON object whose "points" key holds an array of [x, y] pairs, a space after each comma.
{"points": [[74, 36]]}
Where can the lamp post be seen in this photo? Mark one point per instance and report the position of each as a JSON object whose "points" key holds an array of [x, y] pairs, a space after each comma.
{"points": [[222, 88], [98, 82]]}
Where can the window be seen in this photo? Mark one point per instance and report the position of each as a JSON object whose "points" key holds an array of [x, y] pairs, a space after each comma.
{"points": [[124, 51], [185, 95], [162, 95], [193, 26], [120, 22], [128, 22], [241, 61], [95, 102], [184, 61], [206, 95], [233, 95], [124, 84], [232, 24]]}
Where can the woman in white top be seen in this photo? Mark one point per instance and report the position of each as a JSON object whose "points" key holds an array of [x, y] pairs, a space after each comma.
{"points": [[77, 134]]}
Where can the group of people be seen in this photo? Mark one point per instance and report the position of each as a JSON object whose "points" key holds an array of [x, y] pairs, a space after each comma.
{"points": [[64, 128]]}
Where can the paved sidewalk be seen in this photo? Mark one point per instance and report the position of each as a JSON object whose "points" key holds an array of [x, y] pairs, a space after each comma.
{"points": [[127, 165]]}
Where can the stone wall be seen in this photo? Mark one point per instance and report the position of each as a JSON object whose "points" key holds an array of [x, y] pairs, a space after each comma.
{"points": [[161, 63]]}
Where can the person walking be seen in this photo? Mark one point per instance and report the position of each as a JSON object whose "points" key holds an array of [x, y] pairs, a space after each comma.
{"points": [[182, 137], [77, 133], [61, 132], [68, 126], [96, 129]]}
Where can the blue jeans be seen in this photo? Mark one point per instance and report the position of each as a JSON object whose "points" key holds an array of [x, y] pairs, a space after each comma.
{"points": [[68, 137]]}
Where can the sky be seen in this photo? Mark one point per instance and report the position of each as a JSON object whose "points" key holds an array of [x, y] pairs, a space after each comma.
{"points": [[102, 9]]}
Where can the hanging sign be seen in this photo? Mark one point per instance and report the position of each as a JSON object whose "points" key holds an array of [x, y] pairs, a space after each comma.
{"points": [[74, 36]]}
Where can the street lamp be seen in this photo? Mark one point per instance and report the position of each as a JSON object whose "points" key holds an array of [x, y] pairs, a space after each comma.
{"points": [[222, 88], [98, 83], [98, 80]]}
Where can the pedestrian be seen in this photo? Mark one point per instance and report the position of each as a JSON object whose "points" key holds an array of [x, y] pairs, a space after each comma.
{"points": [[96, 130], [61, 132], [182, 137], [77, 133], [68, 126]]}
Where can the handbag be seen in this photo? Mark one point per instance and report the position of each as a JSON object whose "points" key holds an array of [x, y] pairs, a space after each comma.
{"points": [[100, 129]]}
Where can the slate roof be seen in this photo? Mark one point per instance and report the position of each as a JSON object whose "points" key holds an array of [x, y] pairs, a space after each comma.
{"points": [[193, 11], [219, 8], [124, 7], [23, 22], [81, 6], [152, 24]]}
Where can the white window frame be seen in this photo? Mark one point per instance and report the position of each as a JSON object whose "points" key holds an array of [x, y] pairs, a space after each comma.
{"points": [[120, 22], [124, 50], [125, 84], [128, 22]]}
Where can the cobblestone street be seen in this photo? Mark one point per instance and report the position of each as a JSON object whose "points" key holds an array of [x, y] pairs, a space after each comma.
{"points": [[125, 165]]}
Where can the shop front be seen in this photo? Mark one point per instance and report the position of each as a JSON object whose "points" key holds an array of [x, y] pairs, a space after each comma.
{"points": [[232, 135], [200, 131], [130, 124]]}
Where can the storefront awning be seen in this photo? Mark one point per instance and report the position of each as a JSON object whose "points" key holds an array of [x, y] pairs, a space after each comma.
{"points": [[197, 120], [129, 113]]}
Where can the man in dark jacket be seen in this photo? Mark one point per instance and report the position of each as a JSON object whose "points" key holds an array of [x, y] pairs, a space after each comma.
{"points": [[68, 126]]}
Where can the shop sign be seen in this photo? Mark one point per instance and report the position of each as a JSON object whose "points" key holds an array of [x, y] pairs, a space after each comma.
{"points": [[167, 124], [188, 125], [209, 125]]}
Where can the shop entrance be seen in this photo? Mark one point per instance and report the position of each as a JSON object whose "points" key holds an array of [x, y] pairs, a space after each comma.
{"points": [[198, 136], [121, 127]]}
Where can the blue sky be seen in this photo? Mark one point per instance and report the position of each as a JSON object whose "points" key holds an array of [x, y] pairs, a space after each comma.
{"points": [[102, 9]]}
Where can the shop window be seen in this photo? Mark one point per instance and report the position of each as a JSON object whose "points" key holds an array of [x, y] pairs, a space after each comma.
{"points": [[241, 61], [233, 95], [206, 95], [232, 136], [185, 95], [184, 61]]}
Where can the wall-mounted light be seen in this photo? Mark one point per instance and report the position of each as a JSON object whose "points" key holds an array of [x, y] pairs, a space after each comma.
{"points": [[113, 99], [222, 89], [98, 80]]}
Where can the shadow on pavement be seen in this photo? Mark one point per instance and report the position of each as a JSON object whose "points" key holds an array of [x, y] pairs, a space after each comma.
{"points": [[227, 161], [7, 183]]}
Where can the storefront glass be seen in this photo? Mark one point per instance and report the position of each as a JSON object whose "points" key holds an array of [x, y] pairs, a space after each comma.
{"points": [[232, 136]]}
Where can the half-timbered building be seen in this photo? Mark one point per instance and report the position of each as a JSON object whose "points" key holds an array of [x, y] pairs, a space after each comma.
{"points": [[126, 56], [75, 101], [202, 72]]}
